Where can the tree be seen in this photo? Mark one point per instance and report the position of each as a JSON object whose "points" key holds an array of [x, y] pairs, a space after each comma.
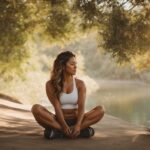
{"points": [[19, 19], [123, 24]]}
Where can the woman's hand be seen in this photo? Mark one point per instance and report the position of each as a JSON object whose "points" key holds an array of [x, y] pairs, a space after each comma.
{"points": [[67, 130], [75, 131]]}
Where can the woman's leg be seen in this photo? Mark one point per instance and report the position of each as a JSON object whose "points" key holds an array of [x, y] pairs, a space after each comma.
{"points": [[45, 118], [92, 117]]}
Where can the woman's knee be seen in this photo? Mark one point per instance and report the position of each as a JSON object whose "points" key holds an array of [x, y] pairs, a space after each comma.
{"points": [[36, 109], [100, 110]]}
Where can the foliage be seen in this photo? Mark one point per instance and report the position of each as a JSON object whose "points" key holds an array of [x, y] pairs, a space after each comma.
{"points": [[15, 26], [123, 27]]}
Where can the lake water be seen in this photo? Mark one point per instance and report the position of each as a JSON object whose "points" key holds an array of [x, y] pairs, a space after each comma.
{"points": [[128, 100]]}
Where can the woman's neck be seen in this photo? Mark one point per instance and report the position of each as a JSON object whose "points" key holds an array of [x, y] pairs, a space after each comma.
{"points": [[67, 78]]}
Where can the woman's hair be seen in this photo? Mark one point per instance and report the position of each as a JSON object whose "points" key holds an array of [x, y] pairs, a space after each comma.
{"points": [[57, 71]]}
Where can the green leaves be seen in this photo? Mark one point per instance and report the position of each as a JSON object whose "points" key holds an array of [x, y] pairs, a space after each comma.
{"points": [[127, 34], [57, 22], [123, 26], [12, 38]]}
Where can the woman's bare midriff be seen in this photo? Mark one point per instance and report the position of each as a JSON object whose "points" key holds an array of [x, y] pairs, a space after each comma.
{"points": [[70, 113]]}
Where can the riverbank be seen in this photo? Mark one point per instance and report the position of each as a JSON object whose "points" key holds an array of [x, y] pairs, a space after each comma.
{"points": [[18, 130]]}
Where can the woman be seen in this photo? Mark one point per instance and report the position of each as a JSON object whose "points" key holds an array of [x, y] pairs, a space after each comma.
{"points": [[67, 94]]}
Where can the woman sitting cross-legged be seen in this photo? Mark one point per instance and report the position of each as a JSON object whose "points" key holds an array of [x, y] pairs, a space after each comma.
{"points": [[67, 94]]}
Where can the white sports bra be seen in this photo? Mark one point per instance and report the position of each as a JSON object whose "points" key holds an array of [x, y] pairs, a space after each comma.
{"points": [[69, 101]]}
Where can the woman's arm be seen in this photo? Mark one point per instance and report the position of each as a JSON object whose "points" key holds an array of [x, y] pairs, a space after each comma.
{"points": [[56, 104], [81, 108], [81, 102]]}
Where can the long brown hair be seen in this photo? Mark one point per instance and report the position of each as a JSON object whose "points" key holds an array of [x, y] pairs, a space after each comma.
{"points": [[57, 71]]}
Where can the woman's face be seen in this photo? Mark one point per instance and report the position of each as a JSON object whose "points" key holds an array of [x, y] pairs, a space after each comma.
{"points": [[71, 66]]}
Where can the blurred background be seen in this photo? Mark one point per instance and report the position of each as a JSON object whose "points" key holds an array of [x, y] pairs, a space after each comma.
{"points": [[111, 40]]}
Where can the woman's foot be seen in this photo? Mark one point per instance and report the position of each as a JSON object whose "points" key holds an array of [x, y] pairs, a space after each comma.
{"points": [[87, 132], [51, 133]]}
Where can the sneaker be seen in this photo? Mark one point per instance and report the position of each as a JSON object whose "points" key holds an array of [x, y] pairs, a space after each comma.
{"points": [[51, 133], [87, 132]]}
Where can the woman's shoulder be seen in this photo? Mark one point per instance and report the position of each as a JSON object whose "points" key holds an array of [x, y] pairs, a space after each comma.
{"points": [[49, 84], [79, 82]]}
